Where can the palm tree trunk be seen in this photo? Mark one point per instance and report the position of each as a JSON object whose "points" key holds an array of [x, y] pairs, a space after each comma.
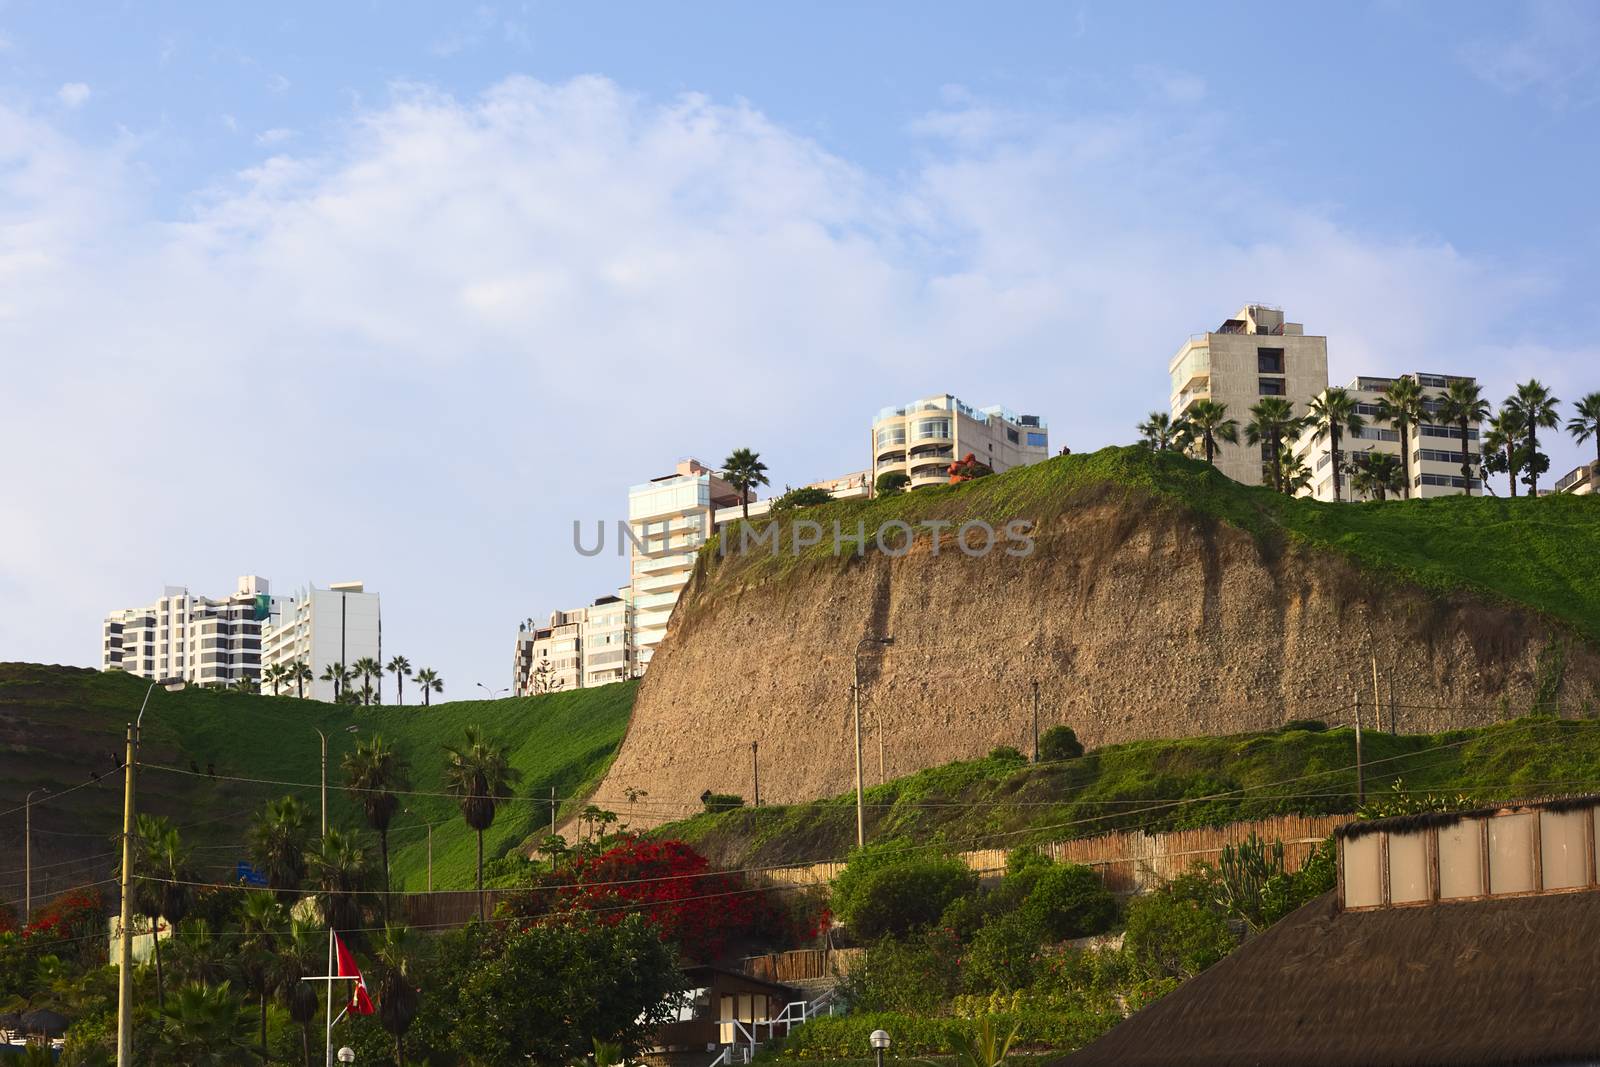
{"points": [[1405, 460], [1211, 449], [1333, 435], [480, 876], [383, 848], [263, 1028], [399, 1051], [1466, 462], [399, 690], [305, 1043], [1533, 452]]}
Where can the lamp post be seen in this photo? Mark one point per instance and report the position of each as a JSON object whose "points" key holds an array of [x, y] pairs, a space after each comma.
{"points": [[27, 855], [125, 965], [493, 693], [348, 729], [855, 689], [880, 1044], [347, 1055], [429, 825]]}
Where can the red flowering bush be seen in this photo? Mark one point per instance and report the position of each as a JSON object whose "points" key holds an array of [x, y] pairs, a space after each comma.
{"points": [[74, 914], [670, 885]]}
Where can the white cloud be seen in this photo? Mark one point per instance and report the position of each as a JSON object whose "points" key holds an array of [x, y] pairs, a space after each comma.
{"points": [[415, 356], [275, 136], [1554, 57], [73, 94]]}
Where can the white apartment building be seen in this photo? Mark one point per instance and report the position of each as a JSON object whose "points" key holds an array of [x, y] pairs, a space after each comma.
{"points": [[922, 438], [856, 485], [318, 627], [1579, 481], [669, 517], [1432, 469], [583, 648], [204, 641], [1252, 355]]}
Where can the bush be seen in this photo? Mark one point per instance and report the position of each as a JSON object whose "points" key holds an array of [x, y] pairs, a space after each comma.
{"points": [[1178, 930], [1005, 953], [1070, 901], [715, 802], [885, 891], [803, 497], [916, 975], [1007, 754], [1059, 743], [846, 1036]]}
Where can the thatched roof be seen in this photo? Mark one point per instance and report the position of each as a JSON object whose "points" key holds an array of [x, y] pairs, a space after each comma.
{"points": [[1465, 984], [1404, 824]]}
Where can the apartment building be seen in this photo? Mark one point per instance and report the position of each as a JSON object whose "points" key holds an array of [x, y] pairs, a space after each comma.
{"points": [[1579, 481], [318, 627], [669, 518], [856, 485], [1434, 466], [202, 640], [922, 438], [1252, 355], [578, 649]]}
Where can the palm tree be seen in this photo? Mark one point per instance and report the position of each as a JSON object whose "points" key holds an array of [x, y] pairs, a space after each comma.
{"points": [[1162, 433], [300, 674], [398, 999], [373, 772], [1401, 407], [339, 868], [1499, 451], [207, 1026], [1209, 420], [1271, 420], [400, 667], [162, 869], [279, 839], [1375, 474], [261, 968], [339, 675], [429, 682], [1536, 407], [1463, 404], [744, 471], [1585, 423], [274, 676], [480, 776], [1293, 474], [1334, 414], [301, 953], [367, 668]]}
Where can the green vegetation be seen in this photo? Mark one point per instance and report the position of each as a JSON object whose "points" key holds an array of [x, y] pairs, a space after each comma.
{"points": [[61, 725], [1536, 553], [1302, 768]]}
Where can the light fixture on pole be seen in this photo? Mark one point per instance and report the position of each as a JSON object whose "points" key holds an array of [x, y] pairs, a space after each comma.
{"points": [[880, 1044], [125, 962], [429, 825], [27, 855], [347, 1055], [494, 694], [348, 729], [855, 689]]}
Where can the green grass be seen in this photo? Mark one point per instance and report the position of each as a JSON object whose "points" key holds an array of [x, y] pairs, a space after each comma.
{"points": [[59, 724], [1538, 553], [1000, 803]]}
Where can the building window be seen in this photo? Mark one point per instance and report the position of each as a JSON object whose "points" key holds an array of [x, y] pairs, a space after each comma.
{"points": [[1269, 360], [1036, 440], [1012, 435], [1270, 387], [927, 428]]}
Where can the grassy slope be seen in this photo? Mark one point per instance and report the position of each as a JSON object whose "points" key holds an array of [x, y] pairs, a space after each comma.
{"points": [[1538, 553], [58, 724], [1000, 803]]}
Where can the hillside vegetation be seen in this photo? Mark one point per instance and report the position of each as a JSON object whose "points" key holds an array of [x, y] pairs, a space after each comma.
{"points": [[61, 725], [1304, 769], [1538, 553]]}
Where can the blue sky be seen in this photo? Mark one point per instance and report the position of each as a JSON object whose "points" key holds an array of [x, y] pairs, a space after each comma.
{"points": [[397, 291]]}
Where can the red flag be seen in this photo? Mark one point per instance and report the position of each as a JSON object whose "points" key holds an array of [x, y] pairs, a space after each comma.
{"points": [[360, 1003]]}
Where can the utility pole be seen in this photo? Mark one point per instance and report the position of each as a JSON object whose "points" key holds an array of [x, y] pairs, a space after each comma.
{"points": [[324, 780], [755, 771], [1036, 720], [552, 811], [27, 858], [1377, 714], [1361, 787], [125, 935], [861, 818], [877, 721]]}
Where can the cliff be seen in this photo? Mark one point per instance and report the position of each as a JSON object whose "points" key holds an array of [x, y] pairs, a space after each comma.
{"points": [[1159, 600]]}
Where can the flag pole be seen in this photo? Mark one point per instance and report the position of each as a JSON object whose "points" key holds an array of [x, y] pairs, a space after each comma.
{"points": [[328, 1038]]}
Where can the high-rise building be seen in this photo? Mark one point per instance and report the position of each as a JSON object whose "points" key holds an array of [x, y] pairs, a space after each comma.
{"points": [[202, 640], [320, 627], [1255, 354], [576, 649], [921, 439], [669, 517], [1432, 469]]}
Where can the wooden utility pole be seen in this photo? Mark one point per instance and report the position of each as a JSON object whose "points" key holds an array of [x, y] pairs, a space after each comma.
{"points": [[1377, 714], [552, 811], [861, 817], [1036, 720], [1361, 788], [755, 771], [125, 935]]}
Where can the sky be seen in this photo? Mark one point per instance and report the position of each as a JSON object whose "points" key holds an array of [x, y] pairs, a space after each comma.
{"points": [[397, 292]]}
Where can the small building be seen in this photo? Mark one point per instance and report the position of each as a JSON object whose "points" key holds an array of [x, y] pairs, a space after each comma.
{"points": [[1462, 939], [1579, 481], [721, 1010]]}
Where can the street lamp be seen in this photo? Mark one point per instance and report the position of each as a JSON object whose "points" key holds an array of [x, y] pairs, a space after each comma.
{"points": [[429, 825], [880, 1044], [347, 1055], [493, 693], [348, 729], [27, 855], [861, 819], [125, 967]]}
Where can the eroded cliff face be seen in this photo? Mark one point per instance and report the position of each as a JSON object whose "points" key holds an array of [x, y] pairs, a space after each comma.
{"points": [[1136, 620]]}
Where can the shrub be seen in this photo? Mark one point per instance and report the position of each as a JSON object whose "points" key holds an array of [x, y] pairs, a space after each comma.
{"points": [[1007, 754], [804, 497], [1178, 930], [1059, 743], [846, 1036], [1005, 953], [715, 802], [1070, 901], [891, 482], [885, 891], [916, 975]]}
